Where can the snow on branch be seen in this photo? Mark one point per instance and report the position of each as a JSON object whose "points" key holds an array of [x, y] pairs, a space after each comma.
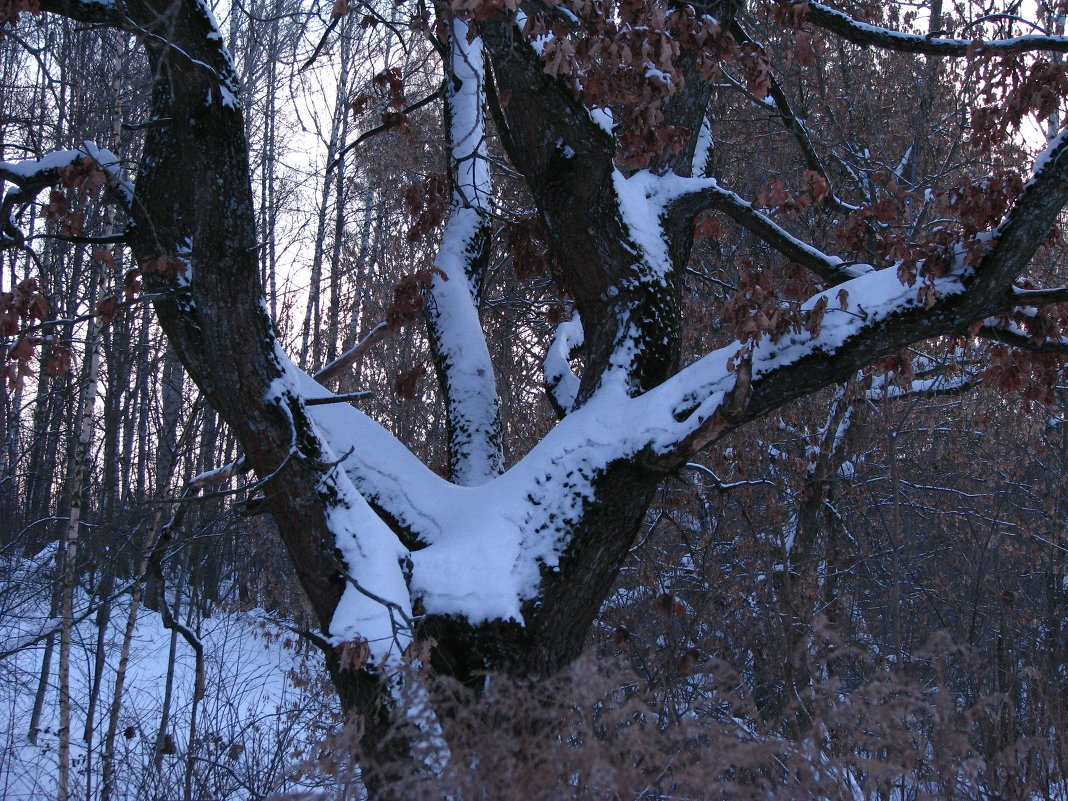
{"points": [[461, 354], [375, 605], [694, 195], [383, 470], [872, 36], [1041, 297], [560, 380], [882, 388], [1017, 338], [353, 354], [88, 169]]}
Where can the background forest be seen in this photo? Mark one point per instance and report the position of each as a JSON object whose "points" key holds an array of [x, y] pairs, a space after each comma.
{"points": [[862, 595]]}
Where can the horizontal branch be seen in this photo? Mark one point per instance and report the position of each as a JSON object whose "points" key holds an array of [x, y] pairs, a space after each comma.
{"points": [[1041, 297], [339, 398], [93, 12], [391, 122], [872, 36], [938, 386], [31, 176], [1017, 340]]}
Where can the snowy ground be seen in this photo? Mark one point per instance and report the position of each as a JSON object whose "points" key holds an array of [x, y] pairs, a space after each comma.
{"points": [[262, 713]]}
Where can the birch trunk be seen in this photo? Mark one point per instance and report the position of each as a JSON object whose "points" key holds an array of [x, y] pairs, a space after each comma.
{"points": [[70, 557]]}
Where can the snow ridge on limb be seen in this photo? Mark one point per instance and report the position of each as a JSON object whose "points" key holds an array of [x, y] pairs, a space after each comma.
{"points": [[873, 36], [89, 166], [379, 465], [560, 380], [872, 315], [375, 605], [460, 352]]}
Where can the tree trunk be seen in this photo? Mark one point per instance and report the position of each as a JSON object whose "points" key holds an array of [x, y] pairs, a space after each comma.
{"points": [[70, 559]]}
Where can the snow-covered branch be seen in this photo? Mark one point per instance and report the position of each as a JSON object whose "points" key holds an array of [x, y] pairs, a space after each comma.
{"points": [[882, 388], [560, 380], [93, 12], [89, 167], [371, 557], [458, 341], [353, 354], [694, 195], [872, 36], [1018, 339]]}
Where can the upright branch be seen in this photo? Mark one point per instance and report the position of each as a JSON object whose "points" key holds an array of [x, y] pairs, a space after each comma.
{"points": [[461, 355]]}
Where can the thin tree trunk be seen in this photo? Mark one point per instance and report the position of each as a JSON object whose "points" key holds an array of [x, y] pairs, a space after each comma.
{"points": [[70, 557], [163, 735]]}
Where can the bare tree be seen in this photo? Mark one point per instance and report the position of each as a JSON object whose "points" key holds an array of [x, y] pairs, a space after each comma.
{"points": [[602, 112]]}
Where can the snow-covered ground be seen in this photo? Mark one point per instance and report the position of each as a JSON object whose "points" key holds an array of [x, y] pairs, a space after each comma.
{"points": [[265, 704]]}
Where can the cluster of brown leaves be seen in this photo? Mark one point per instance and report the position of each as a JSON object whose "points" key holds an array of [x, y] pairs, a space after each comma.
{"points": [[757, 70], [388, 90], [10, 10], [980, 204], [899, 366], [625, 56], [707, 226], [774, 195], [790, 13], [481, 9], [1016, 371], [760, 309], [408, 298], [755, 309], [108, 307], [82, 179], [168, 267], [528, 243], [407, 382], [805, 45], [427, 202], [84, 176], [352, 655], [390, 83], [1011, 88], [24, 304], [339, 9], [858, 233]]}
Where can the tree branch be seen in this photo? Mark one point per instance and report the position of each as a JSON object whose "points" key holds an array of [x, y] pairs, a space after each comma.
{"points": [[1022, 341], [791, 122], [708, 194], [861, 33], [93, 12], [352, 355], [877, 315]]}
